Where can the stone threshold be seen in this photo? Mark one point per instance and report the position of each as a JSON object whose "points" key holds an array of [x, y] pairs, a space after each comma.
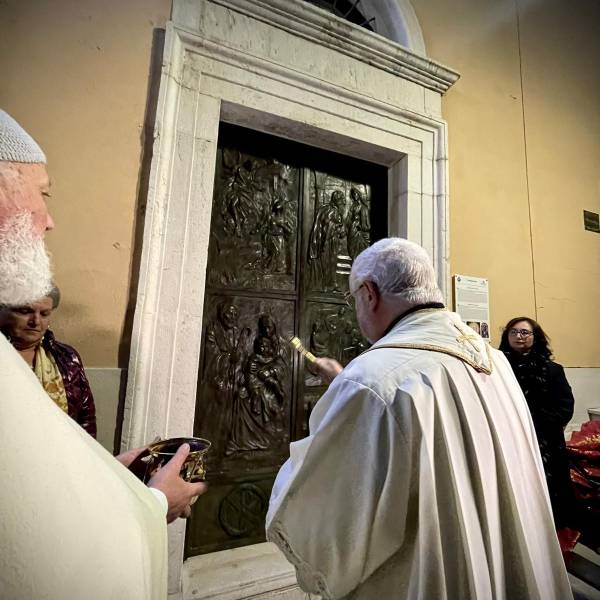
{"points": [[258, 571]]}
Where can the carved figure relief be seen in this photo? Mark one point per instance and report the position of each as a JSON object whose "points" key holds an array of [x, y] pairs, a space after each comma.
{"points": [[227, 340], [276, 232], [334, 333], [226, 351], [253, 232], [358, 223], [268, 328], [239, 201], [319, 339], [340, 230], [247, 369], [257, 416], [325, 244]]}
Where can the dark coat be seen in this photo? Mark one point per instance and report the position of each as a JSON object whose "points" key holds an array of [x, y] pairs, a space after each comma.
{"points": [[550, 401], [79, 394]]}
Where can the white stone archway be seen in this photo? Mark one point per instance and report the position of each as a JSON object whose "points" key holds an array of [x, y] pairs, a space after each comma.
{"points": [[397, 21], [289, 69]]}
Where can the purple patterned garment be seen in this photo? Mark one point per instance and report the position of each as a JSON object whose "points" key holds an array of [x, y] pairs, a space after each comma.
{"points": [[79, 394]]}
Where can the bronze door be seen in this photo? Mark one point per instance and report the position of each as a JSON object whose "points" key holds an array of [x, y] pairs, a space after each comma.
{"points": [[287, 221]]}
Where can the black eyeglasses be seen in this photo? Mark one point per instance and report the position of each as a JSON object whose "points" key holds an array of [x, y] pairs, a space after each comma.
{"points": [[349, 296], [522, 332]]}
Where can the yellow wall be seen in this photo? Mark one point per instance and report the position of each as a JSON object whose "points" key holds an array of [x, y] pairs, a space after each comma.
{"points": [[524, 125], [524, 144], [75, 74], [561, 88]]}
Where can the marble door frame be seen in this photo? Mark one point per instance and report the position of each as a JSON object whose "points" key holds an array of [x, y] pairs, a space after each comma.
{"points": [[288, 69]]}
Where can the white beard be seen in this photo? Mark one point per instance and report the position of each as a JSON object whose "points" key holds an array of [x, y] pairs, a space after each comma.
{"points": [[25, 273]]}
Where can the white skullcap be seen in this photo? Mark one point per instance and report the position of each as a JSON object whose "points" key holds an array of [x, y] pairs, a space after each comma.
{"points": [[16, 145]]}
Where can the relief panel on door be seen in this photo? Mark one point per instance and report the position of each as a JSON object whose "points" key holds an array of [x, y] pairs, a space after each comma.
{"points": [[246, 381], [287, 222], [340, 229], [254, 222]]}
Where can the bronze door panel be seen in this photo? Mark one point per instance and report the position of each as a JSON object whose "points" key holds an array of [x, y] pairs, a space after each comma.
{"points": [[340, 229], [254, 223], [231, 515], [331, 330], [287, 222], [246, 382]]}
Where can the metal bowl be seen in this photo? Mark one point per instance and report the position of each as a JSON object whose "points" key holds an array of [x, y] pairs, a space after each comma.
{"points": [[161, 452]]}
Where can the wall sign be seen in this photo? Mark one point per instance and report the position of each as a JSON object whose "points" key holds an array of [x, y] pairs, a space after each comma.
{"points": [[591, 221], [471, 302]]}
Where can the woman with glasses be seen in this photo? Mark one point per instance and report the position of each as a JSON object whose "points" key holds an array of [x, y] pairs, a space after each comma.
{"points": [[550, 402]]}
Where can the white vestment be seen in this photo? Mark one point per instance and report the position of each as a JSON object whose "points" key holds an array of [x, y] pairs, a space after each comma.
{"points": [[74, 523], [421, 477]]}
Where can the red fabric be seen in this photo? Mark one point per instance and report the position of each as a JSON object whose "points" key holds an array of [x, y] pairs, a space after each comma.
{"points": [[584, 456], [567, 538], [79, 394]]}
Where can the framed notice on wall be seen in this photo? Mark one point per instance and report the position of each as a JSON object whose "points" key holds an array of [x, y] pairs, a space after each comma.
{"points": [[471, 302]]}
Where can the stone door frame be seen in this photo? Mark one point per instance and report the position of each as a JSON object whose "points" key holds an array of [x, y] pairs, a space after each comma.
{"points": [[289, 69]]}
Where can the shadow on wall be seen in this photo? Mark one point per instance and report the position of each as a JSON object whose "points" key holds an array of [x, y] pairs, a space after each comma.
{"points": [[108, 386], [107, 383], [147, 143]]}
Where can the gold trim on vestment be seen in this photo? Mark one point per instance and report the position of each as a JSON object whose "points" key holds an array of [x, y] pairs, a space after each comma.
{"points": [[443, 350]]}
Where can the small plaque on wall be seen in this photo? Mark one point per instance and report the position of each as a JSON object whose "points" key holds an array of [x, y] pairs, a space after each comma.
{"points": [[591, 221], [471, 302]]}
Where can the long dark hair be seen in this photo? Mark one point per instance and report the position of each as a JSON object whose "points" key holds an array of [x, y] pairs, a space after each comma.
{"points": [[541, 342]]}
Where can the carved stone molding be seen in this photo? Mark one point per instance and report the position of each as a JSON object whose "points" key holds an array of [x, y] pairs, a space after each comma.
{"points": [[313, 24]]}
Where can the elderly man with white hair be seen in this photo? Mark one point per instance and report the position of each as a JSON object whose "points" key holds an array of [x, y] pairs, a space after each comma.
{"points": [[421, 477], [74, 522]]}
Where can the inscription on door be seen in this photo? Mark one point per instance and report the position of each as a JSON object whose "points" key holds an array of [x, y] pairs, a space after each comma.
{"points": [[287, 222]]}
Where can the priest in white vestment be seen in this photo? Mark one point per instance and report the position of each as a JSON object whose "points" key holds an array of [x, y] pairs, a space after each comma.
{"points": [[74, 522], [421, 477]]}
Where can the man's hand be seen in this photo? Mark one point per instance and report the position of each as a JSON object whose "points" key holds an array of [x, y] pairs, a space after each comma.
{"points": [[326, 368], [126, 458], [180, 494]]}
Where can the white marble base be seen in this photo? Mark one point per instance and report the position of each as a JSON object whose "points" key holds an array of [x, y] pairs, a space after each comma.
{"points": [[594, 414], [585, 384], [258, 571]]}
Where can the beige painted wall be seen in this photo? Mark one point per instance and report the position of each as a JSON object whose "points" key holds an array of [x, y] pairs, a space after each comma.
{"points": [[488, 185], [524, 123], [524, 152], [561, 89], [75, 73]]}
